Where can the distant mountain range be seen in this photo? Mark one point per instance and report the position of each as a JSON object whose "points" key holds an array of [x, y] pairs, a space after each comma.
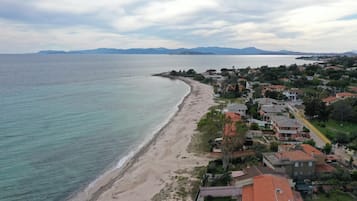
{"points": [[187, 51]]}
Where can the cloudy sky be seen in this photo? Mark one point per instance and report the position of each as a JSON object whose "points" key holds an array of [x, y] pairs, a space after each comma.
{"points": [[301, 25]]}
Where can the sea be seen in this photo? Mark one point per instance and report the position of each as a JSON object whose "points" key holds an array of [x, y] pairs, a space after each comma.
{"points": [[67, 119]]}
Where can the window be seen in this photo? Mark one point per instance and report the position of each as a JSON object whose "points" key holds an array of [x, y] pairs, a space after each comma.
{"points": [[296, 164], [310, 163], [302, 164]]}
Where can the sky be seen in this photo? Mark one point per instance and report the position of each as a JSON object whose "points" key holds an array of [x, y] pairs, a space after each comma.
{"points": [[299, 25]]}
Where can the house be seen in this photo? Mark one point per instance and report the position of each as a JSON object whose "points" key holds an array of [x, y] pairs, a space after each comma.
{"points": [[267, 111], [267, 101], [329, 100], [277, 88], [292, 94], [339, 96], [321, 167], [270, 188], [286, 128], [345, 95], [237, 108], [230, 127], [297, 164], [219, 191], [245, 176]]}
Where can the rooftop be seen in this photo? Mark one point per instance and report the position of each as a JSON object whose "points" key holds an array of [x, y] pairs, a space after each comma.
{"points": [[296, 155], [269, 188], [266, 101], [345, 94], [311, 150], [283, 121], [234, 107], [273, 108], [220, 191]]}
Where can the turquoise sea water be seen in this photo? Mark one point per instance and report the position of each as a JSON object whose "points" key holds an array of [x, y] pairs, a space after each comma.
{"points": [[65, 119]]}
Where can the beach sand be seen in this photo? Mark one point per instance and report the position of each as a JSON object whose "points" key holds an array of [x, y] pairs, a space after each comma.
{"points": [[155, 166]]}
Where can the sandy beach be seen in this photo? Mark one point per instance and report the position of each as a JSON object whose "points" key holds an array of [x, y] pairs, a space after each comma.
{"points": [[155, 166]]}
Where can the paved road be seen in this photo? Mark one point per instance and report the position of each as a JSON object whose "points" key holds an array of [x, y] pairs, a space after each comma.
{"points": [[319, 138]]}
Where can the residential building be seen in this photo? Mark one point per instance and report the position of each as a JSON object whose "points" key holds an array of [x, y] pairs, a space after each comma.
{"points": [[297, 164], [344, 95], [286, 128], [270, 188], [267, 101], [267, 111], [237, 108]]}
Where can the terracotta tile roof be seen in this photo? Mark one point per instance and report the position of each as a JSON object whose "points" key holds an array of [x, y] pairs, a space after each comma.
{"points": [[330, 99], [311, 150], [345, 94], [277, 87], [324, 168], [230, 128], [247, 194], [268, 188], [234, 117], [296, 155]]}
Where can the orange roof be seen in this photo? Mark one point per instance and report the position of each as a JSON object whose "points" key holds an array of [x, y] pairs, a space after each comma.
{"points": [[324, 168], [311, 150], [247, 194], [230, 128], [277, 87], [268, 188], [345, 94], [296, 155], [234, 117], [329, 99]]}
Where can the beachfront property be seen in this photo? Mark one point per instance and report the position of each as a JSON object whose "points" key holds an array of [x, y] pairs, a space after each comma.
{"points": [[237, 108], [270, 188], [297, 164], [265, 187], [298, 161]]}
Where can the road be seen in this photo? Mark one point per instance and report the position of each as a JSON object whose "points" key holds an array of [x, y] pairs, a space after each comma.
{"points": [[319, 138]]}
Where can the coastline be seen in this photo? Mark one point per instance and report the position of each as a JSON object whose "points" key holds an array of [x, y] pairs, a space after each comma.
{"points": [[108, 186]]}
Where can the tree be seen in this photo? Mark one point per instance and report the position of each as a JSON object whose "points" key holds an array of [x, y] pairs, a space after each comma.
{"points": [[327, 148], [342, 111], [274, 146], [233, 143]]}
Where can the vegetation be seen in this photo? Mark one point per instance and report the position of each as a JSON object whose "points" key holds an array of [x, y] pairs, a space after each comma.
{"points": [[332, 196], [210, 127]]}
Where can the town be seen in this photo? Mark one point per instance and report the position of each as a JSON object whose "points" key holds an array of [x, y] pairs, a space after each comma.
{"points": [[279, 133]]}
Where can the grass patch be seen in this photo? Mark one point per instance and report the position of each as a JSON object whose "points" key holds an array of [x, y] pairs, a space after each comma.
{"points": [[332, 127], [333, 196]]}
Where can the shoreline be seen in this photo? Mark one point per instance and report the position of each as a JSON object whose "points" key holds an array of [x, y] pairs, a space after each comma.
{"points": [[104, 183]]}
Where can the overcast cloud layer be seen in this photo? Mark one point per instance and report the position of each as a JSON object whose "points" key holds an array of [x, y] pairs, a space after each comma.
{"points": [[302, 25]]}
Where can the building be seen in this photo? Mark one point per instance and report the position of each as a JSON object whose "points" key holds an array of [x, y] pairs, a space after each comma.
{"points": [[270, 188], [287, 129], [339, 96], [277, 88], [344, 95], [297, 164], [237, 108], [292, 94], [267, 111], [329, 100], [267, 101], [245, 176]]}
